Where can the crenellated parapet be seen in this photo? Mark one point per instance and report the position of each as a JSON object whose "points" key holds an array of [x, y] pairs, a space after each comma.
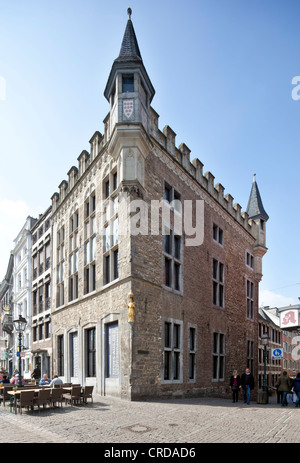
{"points": [[181, 154], [75, 174]]}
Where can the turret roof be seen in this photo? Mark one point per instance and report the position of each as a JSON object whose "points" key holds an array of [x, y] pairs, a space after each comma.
{"points": [[130, 48], [255, 208]]}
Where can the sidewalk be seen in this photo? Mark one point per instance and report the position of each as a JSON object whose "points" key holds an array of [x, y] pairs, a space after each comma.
{"points": [[111, 420]]}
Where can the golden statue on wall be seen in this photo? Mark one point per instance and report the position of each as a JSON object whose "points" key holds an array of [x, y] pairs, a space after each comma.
{"points": [[131, 307]]}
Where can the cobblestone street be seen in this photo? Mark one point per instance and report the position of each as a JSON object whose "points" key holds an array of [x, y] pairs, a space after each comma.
{"points": [[110, 420]]}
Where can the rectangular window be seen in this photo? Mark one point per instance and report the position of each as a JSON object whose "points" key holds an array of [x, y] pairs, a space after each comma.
{"points": [[90, 246], [127, 83], [218, 283], [74, 354], [91, 352], [115, 181], [168, 272], [60, 355], [192, 354], [60, 253], [249, 260], [250, 299], [111, 233], [47, 329], [172, 260], [218, 356], [73, 257], [168, 193], [112, 350], [172, 364], [172, 196], [218, 234], [34, 333]]}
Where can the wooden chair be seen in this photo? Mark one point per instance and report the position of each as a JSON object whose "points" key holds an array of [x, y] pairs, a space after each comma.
{"points": [[74, 395], [26, 400], [4, 396], [43, 398], [87, 393], [56, 396]]}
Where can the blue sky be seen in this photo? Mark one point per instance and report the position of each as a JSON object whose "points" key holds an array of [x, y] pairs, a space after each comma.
{"points": [[222, 71]]}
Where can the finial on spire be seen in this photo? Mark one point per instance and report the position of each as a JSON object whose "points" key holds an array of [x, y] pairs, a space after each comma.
{"points": [[129, 12], [254, 178]]}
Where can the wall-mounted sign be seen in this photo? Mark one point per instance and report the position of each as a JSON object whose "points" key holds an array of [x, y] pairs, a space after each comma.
{"points": [[289, 318]]}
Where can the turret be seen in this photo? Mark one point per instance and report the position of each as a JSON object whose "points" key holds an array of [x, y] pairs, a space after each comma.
{"points": [[257, 213], [129, 92], [129, 89]]}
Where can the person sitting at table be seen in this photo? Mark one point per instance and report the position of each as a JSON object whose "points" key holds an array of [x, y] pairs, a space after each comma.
{"points": [[15, 379], [56, 381], [5, 380], [45, 381]]}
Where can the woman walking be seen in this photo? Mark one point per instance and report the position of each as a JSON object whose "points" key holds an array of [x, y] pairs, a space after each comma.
{"points": [[235, 384]]}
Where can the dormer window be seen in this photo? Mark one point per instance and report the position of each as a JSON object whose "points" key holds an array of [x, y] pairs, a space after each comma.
{"points": [[127, 83]]}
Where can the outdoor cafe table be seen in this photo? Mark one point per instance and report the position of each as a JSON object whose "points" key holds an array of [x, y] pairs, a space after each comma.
{"points": [[17, 393]]}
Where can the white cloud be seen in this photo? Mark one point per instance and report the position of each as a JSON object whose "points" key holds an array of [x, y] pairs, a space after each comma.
{"points": [[269, 298]]}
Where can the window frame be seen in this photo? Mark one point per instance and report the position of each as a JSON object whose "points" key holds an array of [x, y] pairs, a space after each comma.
{"points": [[110, 228], [218, 294], [172, 362], [218, 356]]}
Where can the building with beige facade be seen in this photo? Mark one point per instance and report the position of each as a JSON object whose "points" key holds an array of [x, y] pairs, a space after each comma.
{"points": [[155, 271]]}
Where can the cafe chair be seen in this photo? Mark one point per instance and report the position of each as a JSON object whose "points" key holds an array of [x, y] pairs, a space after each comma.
{"points": [[56, 396], [26, 400], [43, 398], [74, 395], [87, 393], [4, 396]]}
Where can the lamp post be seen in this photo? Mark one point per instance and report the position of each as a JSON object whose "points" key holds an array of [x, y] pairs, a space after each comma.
{"points": [[20, 325], [265, 341]]}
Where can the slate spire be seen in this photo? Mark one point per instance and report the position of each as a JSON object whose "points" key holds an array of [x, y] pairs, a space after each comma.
{"points": [[130, 48], [255, 208]]}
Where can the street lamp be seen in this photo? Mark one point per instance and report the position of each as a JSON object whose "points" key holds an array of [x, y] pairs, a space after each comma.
{"points": [[265, 341], [20, 325]]}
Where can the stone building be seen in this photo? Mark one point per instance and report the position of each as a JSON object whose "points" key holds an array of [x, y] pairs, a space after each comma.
{"points": [[41, 342], [22, 293], [155, 270], [6, 329]]}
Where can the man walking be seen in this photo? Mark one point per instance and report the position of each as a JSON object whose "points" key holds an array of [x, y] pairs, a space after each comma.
{"points": [[284, 386], [247, 382]]}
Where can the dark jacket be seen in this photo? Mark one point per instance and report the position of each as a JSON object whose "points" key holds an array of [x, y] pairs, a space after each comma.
{"points": [[296, 384], [247, 380], [36, 374], [238, 380]]}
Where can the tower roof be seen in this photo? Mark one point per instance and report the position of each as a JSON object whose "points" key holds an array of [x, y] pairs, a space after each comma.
{"points": [[129, 58], [129, 48], [255, 208]]}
